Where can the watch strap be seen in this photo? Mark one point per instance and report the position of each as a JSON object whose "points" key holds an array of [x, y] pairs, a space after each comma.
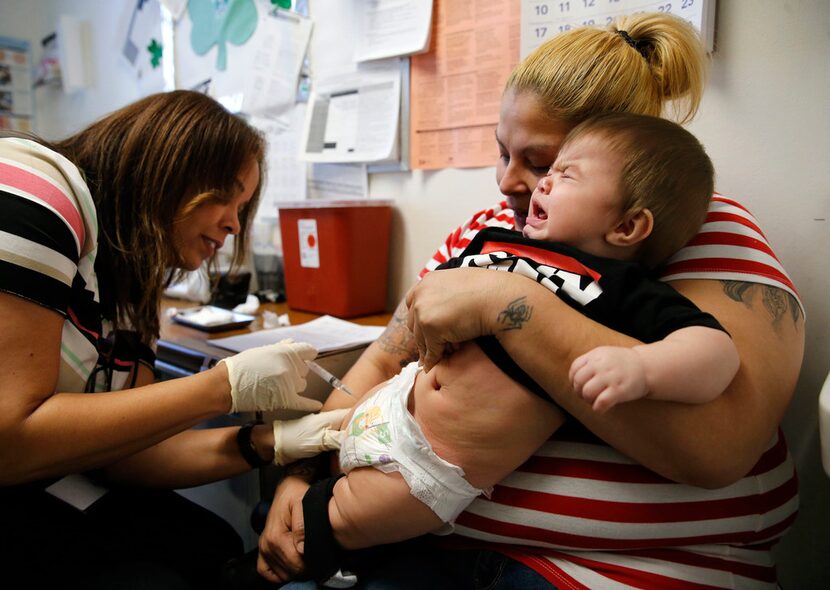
{"points": [[247, 448]]}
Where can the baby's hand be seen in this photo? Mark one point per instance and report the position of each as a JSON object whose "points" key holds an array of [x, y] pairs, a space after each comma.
{"points": [[608, 375]]}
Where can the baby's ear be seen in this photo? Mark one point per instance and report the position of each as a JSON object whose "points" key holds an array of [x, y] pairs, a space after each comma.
{"points": [[634, 227]]}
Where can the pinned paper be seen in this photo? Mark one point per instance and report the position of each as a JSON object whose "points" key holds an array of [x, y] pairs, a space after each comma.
{"points": [[221, 22], [175, 7], [141, 45]]}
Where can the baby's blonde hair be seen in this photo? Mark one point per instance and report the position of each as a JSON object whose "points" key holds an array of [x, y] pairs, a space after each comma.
{"points": [[649, 64]]}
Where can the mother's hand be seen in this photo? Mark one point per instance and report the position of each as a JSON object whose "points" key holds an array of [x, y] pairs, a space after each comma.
{"points": [[281, 542], [451, 306]]}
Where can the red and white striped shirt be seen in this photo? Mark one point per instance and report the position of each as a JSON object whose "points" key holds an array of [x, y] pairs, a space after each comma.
{"points": [[585, 516]]}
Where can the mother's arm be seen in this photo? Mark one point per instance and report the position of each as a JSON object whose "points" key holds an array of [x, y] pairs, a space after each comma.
{"points": [[708, 445]]}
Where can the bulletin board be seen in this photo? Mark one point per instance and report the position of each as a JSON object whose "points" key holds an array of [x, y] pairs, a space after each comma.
{"points": [[457, 85], [459, 82]]}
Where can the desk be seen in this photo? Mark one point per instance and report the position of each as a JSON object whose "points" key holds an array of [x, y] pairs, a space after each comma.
{"points": [[183, 351]]}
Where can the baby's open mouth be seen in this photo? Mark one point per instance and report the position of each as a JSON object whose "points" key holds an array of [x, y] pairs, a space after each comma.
{"points": [[536, 210]]}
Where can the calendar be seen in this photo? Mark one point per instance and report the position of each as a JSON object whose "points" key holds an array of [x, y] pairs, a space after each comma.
{"points": [[541, 20]]}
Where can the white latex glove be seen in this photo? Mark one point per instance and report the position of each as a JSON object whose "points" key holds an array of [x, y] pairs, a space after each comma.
{"points": [[270, 377], [307, 436]]}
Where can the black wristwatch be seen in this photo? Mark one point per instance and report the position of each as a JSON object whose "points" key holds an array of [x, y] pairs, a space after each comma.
{"points": [[247, 448]]}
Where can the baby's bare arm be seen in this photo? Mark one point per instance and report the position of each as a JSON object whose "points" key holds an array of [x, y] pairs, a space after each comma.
{"points": [[691, 365]]}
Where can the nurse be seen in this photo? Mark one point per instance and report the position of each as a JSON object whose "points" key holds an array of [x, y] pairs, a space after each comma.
{"points": [[91, 230]]}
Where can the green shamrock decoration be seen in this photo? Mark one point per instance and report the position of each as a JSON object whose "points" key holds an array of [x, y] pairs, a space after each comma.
{"points": [[155, 48], [217, 22], [282, 3]]}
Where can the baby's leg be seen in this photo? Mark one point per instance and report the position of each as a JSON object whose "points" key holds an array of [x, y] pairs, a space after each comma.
{"points": [[370, 507]]}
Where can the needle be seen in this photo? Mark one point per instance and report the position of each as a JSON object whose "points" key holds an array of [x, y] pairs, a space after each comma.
{"points": [[328, 377]]}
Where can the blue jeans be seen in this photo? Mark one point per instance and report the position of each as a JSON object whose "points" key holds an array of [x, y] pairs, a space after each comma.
{"points": [[416, 565]]}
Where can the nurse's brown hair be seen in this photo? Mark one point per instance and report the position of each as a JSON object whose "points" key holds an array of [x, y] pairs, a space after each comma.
{"points": [[147, 165]]}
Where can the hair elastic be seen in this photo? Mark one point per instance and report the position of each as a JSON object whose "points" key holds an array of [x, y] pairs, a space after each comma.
{"points": [[641, 45]]}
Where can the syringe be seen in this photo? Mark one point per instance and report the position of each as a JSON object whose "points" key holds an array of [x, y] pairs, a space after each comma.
{"points": [[328, 377]]}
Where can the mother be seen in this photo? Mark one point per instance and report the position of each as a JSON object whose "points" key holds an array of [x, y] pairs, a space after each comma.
{"points": [[650, 494]]}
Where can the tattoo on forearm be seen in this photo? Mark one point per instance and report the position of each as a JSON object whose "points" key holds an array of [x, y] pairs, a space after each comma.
{"points": [[398, 340], [776, 301], [516, 314]]}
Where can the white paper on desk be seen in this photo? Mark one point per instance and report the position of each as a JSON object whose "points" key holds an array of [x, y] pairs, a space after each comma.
{"points": [[354, 118], [326, 334], [389, 28]]}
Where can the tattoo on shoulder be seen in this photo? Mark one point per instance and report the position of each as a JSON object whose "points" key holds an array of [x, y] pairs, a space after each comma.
{"points": [[516, 314], [777, 302], [398, 340]]}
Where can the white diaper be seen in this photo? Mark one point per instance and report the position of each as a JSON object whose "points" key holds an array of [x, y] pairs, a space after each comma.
{"points": [[382, 433]]}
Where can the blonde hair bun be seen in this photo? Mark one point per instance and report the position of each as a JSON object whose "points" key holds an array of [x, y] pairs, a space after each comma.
{"points": [[675, 56], [658, 67]]}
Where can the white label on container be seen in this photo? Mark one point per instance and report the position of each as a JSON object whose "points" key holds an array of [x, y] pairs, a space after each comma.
{"points": [[309, 243]]}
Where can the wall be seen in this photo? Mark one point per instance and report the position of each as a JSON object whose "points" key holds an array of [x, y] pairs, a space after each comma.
{"points": [[764, 121], [111, 84]]}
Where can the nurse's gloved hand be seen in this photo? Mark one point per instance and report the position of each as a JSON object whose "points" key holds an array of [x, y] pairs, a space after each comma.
{"points": [[307, 436], [271, 377]]}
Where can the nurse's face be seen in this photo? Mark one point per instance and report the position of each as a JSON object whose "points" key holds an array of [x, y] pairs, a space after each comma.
{"points": [[529, 141], [202, 232]]}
